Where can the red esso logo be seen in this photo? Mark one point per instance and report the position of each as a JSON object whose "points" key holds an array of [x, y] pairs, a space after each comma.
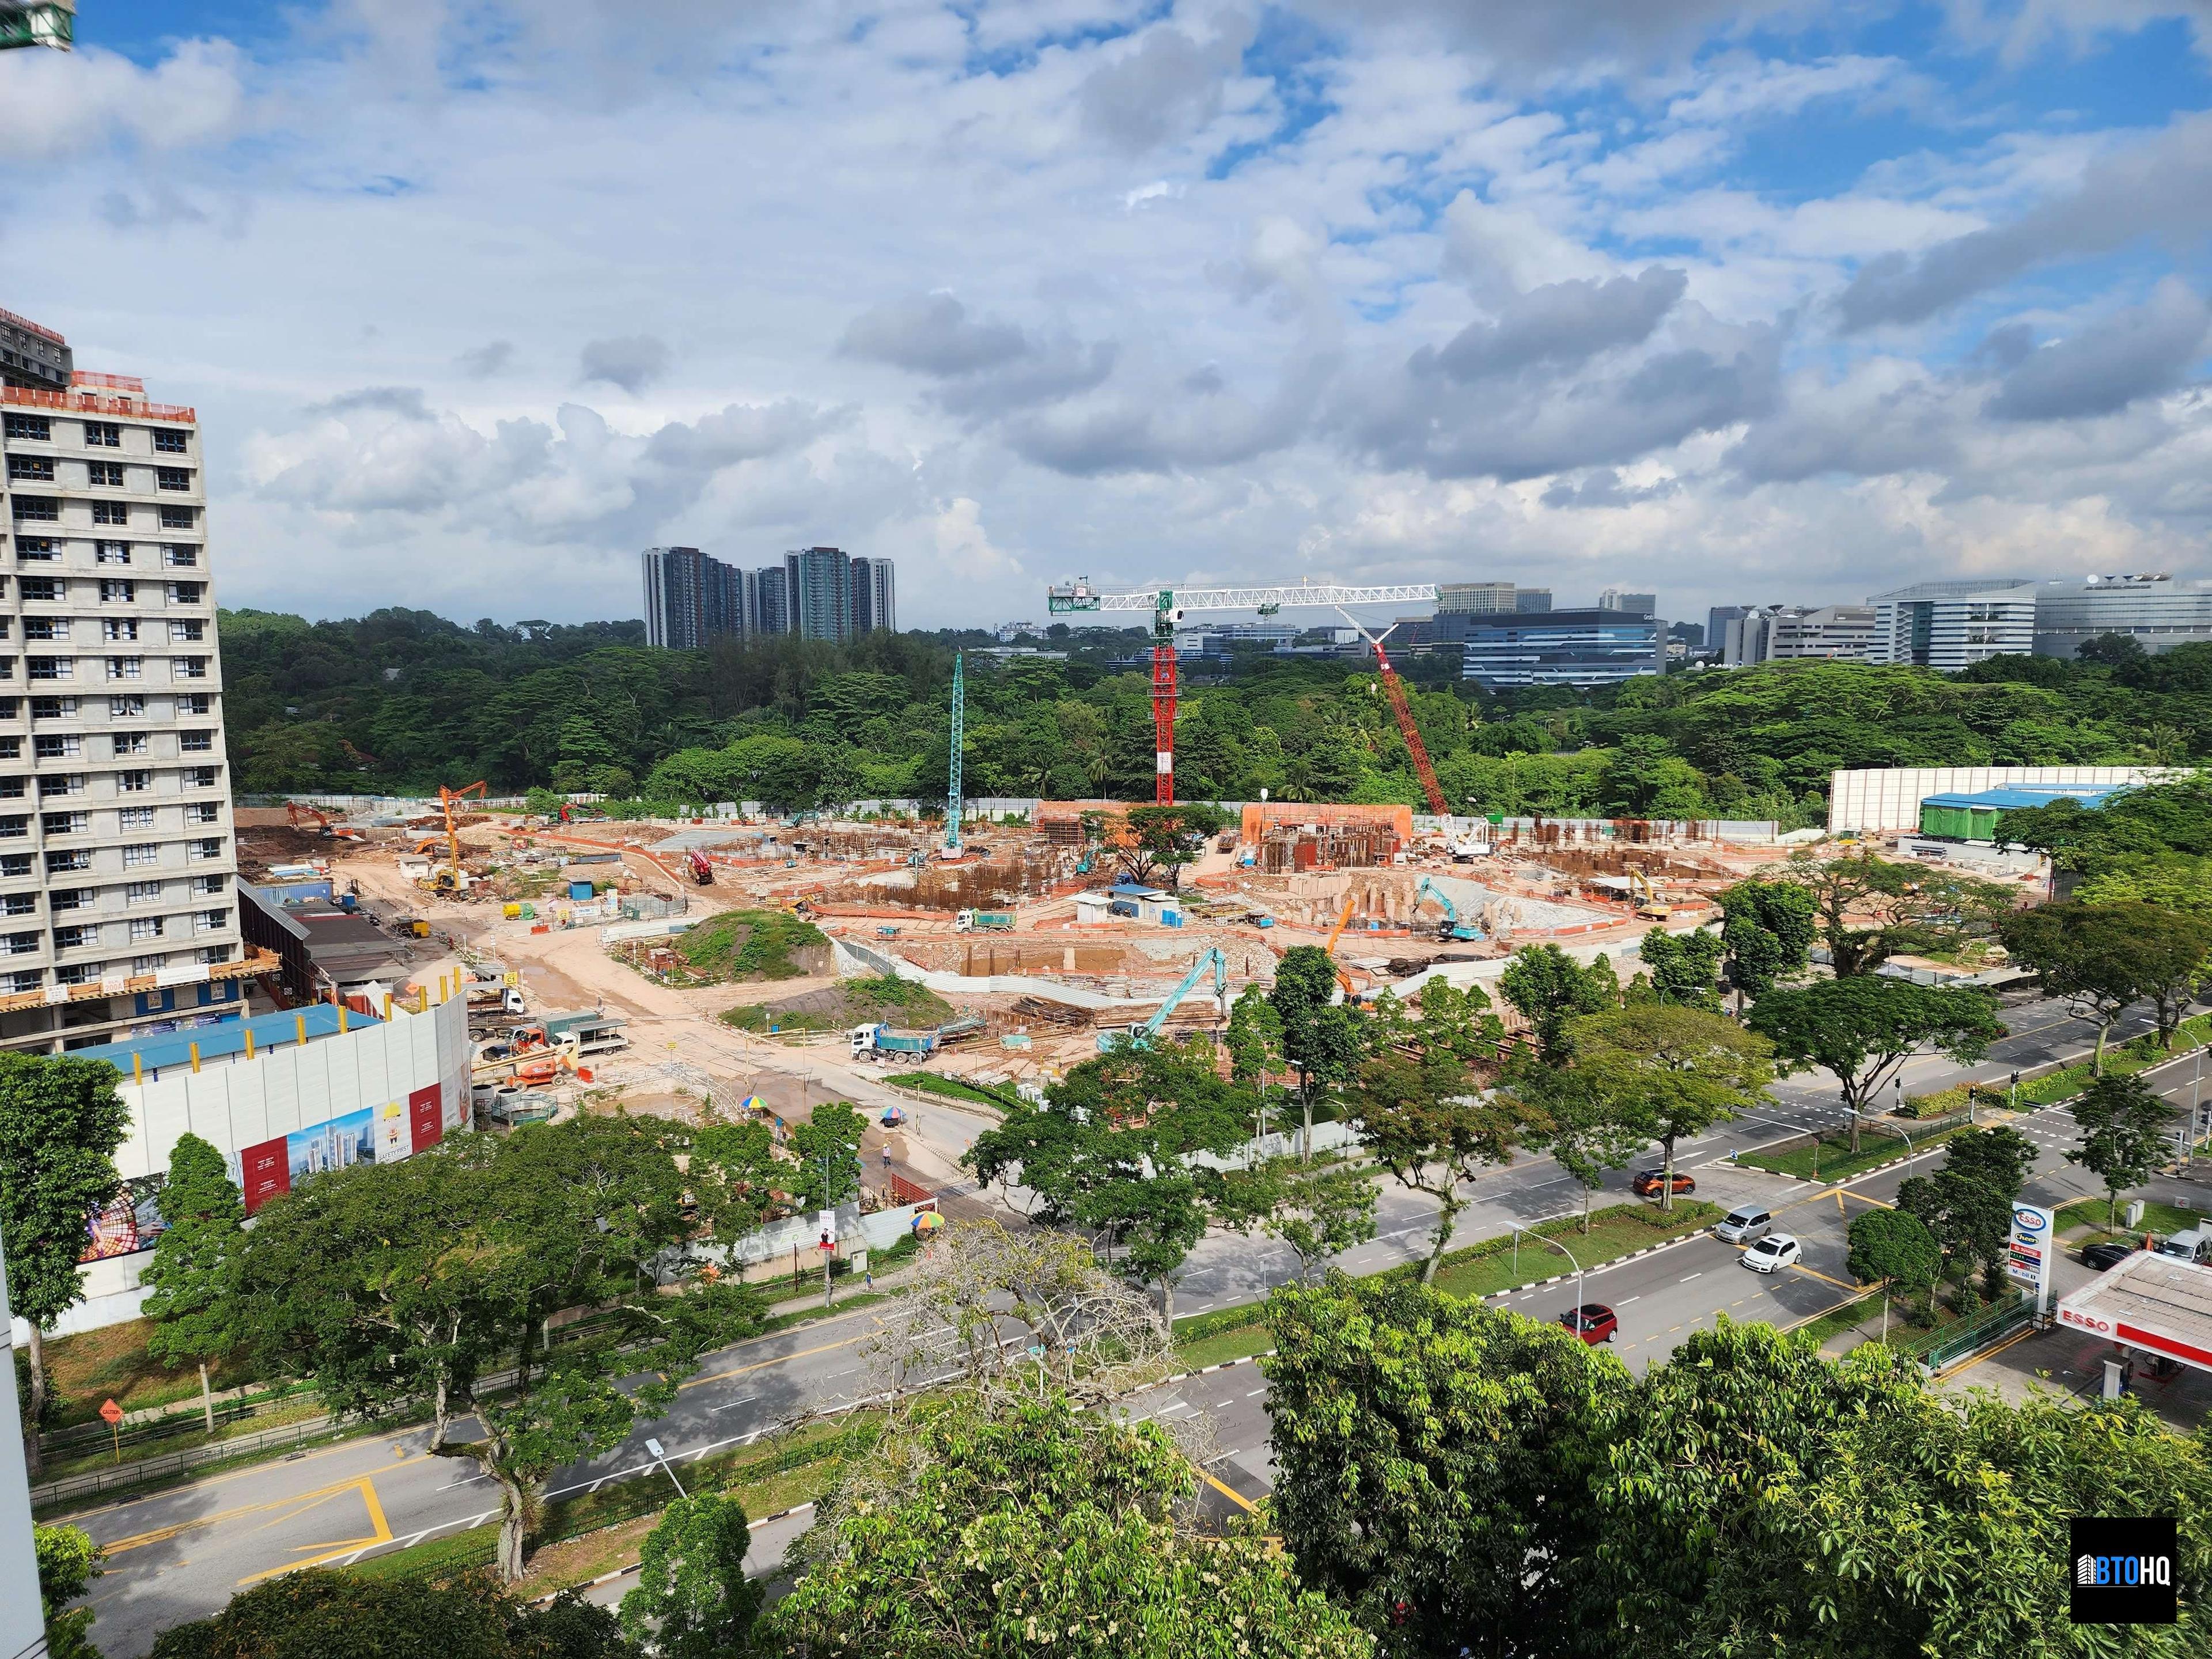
{"points": [[2083, 1320]]}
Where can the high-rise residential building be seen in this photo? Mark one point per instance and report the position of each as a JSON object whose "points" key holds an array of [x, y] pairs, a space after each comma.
{"points": [[1633, 605], [1562, 647], [117, 863], [875, 597], [771, 602], [37, 23], [2157, 612], [1474, 598], [675, 597], [819, 581], [1951, 625], [1786, 633], [1532, 601]]}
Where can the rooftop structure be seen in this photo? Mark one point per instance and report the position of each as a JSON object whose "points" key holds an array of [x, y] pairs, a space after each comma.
{"points": [[2159, 1303], [1951, 625], [208, 1045], [1973, 815], [2157, 612]]}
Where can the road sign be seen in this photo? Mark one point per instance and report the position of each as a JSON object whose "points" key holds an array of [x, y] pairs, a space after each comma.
{"points": [[111, 1411], [2028, 1254]]}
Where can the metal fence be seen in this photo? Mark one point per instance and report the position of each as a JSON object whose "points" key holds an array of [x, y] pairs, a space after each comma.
{"points": [[186, 1417], [1941, 1349], [145, 1471]]}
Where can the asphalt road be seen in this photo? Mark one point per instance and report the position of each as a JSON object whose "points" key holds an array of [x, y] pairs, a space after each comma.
{"points": [[181, 1553]]}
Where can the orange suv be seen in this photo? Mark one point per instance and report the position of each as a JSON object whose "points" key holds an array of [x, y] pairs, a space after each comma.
{"points": [[1649, 1183]]}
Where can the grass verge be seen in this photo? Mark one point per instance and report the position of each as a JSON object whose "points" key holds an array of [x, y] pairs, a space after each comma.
{"points": [[2089, 1214], [1832, 1158], [953, 1088], [2124, 1059]]}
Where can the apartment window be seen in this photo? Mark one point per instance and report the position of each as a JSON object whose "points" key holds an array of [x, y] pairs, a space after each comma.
{"points": [[103, 435], [193, 702], [64, 864], [30, 469], [57, 784], [212, 953], [199, 777], [180, 554], [43, 548], [178, 518], [187, 633], [84, 973], [117, 590], [186, 593], [196, 741], [21, 944], [126, 668], [15, 826], [111, 552], [208, 847], [37, 509], [11, 788], [126, 708], [45, 627], [145, 927], [173, 477], [20, 904], [12, 748], [111, 512], [132, 783], [77, 937], [203, 812], [47, 747], [53, 708], [104, 475], [143, 892], [135, 817], [129, 742], [188, 668], [17, 984], [143, 965], [36, 429], [50, 668], [211, 922], [71, 898], [41, 589], [65, 824], [142, 855], [208, 886], [169, 443], [119, 627], [15, 865]]}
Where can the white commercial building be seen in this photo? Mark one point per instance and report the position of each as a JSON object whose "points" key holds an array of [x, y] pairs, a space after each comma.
{"points": [[2157, 612], [117, 864], [1952, 625], [1888, 800], [1788, 633]]}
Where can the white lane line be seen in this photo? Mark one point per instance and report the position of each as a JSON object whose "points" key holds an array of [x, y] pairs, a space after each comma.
{"points": [[744, 1399], [1639, 1297], [1217, 1457], [466, 1481], [1255, 1393], [1687, 1277]]}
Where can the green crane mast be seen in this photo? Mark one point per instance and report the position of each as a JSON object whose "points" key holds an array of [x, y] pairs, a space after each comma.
{"points": [[952, 789]]}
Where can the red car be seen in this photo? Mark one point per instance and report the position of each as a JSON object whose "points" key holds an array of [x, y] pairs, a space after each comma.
{"points": [[1649, 1183], [1593, 1322]]}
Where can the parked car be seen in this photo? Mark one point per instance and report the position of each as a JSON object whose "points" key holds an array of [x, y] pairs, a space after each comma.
{"points": [[1593, 1322], [2191, 1244], [1649, 1183], [1773, 1253], [2105, 1257], [1742, 1224]]}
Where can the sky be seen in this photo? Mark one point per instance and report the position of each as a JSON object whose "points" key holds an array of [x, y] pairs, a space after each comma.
{"points": [[1769, 301]]}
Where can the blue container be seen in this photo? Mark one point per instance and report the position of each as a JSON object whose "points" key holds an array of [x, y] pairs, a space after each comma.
{"points": [[579, 890]]}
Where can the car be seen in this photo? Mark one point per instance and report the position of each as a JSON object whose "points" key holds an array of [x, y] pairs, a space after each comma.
{"points": [[2105, 1257], [1742, 1224], [1649, 1183], [1774, 1251], [1593, 1322]]}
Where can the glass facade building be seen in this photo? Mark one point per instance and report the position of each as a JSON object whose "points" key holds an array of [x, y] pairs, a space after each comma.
{"points": [[1562, 647]]}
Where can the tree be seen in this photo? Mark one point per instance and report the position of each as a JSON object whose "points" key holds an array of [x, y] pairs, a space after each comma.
{"points": [[1315, 1210], [1967, 1204], [1867, 908], [1422, 1119], [1672, 1073], [319, 1614], [2123, 1136], [2172, 959], [1550, 990], [733, 1171], [1167, 837], [693, 1599], [1254, 1041], [997, 1528], [1768, 927], [1593, 1128], [68, 1562], [1864, 1027], [192, 1280], [2086, 955], [1894, 1249], [1320, 1039], [828, 1149], [1685, 967], [61, 1120]]}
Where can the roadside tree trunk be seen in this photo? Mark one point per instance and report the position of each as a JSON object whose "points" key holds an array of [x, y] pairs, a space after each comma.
{"points": [[35, 1408], [513, 1527], [1447, 1224], [441, 1417], [207, 1398], [1667, 1177]]}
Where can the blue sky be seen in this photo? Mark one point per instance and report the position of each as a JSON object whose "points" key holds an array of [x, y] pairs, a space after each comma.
{"points": [[1735, 301]]}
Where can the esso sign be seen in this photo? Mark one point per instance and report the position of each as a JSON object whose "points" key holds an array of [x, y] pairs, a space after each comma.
{"points": [[2086, 1322], [2029, 1219]]}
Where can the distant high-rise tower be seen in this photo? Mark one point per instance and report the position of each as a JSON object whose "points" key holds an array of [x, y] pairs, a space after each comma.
{"points": [[818, 582], [875, 599], [1632, 605], [675, 597]]}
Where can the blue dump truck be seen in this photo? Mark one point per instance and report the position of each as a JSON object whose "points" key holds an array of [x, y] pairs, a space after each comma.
{"points": [[882, 1043]]}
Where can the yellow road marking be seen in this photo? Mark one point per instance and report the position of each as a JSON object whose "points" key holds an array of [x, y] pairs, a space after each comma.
{"points": [[367, 1486], [1861, 1198], [1236, 1497], [1990, 1353], [762, 1366], [1810, 1273], [296, 1503]]}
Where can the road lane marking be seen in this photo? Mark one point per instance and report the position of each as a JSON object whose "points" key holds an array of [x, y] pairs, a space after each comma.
{"points": [[1255, 1393], [1639, 1297], [381, 1534], [705, 1378], [1236, 1497], [1687, 1277], [1812, 1272]]}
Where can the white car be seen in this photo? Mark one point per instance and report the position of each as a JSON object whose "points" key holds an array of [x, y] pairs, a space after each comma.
{"points": [[1773, 1251]]}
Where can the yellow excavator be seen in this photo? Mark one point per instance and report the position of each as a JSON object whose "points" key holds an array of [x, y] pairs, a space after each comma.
{"points": [[1342, 978], [1648, 904]]}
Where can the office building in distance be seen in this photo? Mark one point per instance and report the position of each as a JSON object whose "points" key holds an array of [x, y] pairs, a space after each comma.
{"points": [[692, 599], [1638, 605], [1951, 625], [2157, 612], [1790, 633], [117, 863], [1595, 647]]}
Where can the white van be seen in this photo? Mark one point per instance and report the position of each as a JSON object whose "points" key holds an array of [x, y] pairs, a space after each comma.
{"points": [[2193, 1244]]}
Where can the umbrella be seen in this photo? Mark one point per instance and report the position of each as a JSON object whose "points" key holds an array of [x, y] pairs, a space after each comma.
{"points": [[927, 1222]]}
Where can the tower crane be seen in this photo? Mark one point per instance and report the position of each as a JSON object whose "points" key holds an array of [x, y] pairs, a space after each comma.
{"points": [[952, 789], [1168, 605]]}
